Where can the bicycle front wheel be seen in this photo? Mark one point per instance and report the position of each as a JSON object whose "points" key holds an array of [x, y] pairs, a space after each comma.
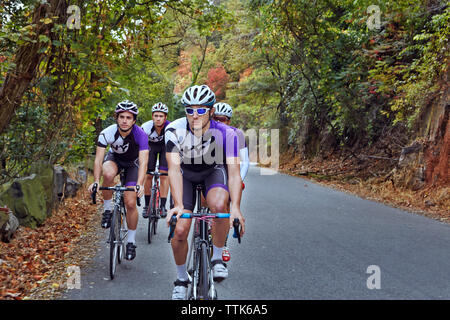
{"points": [[113, 242], [204, 272], [151, 216]]}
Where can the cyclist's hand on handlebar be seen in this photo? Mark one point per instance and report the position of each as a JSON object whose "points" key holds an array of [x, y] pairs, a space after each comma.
{"points": [[175, 211], [91, 187], [139, 190], [236, 213]]}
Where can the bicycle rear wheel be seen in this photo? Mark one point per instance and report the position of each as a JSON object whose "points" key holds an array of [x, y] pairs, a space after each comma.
{"points": [[113, 244], [151, 217]]}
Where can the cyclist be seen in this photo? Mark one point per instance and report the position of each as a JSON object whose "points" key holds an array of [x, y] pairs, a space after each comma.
{"points": [[155, 131], [129, 151], [201, 150], [223, 113]]}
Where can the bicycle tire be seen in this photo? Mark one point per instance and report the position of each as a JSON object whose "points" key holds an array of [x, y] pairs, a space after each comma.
{"points": [[157, 205], [121, 244], [113, 244], [204, 272], [151, 217]]}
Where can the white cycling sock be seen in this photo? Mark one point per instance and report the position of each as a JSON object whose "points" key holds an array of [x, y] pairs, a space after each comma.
{"points": [[132, 236], [217, 253], [107, 205], [182, 273]]}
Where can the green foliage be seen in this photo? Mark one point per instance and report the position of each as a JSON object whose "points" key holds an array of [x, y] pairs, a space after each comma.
{"points": [[309, 68]]}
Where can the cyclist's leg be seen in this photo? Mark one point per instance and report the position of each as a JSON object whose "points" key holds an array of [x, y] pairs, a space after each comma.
{"points": [[132, 212], [164, 180], [109, 171], [149, 181], [179, 241], [217, 197], [148, 191], [180, 245]]}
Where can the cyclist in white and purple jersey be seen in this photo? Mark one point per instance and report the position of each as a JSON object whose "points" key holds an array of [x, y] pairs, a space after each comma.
{"points": [[202, 151], [155, 129], [223, 113], [129, 151]]}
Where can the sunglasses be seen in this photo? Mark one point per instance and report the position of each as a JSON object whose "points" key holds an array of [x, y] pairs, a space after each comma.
{"points": [[200, 111], [220, 118]]}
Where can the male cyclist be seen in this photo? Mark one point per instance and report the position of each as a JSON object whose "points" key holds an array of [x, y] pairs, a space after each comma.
{"points": [[129, 151], [223, 113], [201, 151], [155, 131]]}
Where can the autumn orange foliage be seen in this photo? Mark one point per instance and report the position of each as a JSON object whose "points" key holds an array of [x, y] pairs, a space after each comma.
{"points": [[37, 258]]}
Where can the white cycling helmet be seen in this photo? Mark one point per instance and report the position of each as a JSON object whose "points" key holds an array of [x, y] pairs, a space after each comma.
{"points": [[198, 96], [161, 107], [127, 106], [223, 109]]}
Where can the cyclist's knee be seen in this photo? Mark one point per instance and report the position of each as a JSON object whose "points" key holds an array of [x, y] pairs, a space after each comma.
{"points": [[180, 235], [181, 232], [219, 207], [108, 176], [130, 203]]}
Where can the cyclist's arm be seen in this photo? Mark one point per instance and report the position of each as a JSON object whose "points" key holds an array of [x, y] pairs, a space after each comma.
{"points": [[175, 178], [143, 160], [243, 154], [99, 156], [235, 187]]}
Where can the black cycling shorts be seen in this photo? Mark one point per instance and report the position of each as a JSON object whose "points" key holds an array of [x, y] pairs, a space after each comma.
{"points": [[216, 176], [155, 149], [131, 168]]}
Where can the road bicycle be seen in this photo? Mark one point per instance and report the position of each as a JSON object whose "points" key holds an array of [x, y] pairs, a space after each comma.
{"points": [[118, 230], [155, 205], [199, 257]]}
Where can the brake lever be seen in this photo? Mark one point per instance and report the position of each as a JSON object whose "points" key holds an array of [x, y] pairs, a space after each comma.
{"points": [[172, 224]]}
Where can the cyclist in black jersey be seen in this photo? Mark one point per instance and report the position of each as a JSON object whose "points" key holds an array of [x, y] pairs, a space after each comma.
{"points": [[202, 151], [155, 129], [129, 151]]}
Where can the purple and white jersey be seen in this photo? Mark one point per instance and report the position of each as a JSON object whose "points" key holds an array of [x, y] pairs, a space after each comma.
{"points": [[153, 136], [241, 139], [201, 153], [125, 149]]}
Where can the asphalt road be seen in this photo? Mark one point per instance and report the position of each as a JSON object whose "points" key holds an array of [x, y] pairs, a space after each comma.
{"points": [[303, 241]]}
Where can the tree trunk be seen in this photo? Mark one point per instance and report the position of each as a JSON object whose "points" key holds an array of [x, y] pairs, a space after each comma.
{"points": [[26, 61]]}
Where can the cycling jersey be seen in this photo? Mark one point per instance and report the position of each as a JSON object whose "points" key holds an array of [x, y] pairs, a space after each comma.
{"points": [[243, 152], [124, 149], [150, 130], [240, 138], [203, 159], [157, 146], [201, 153]]}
